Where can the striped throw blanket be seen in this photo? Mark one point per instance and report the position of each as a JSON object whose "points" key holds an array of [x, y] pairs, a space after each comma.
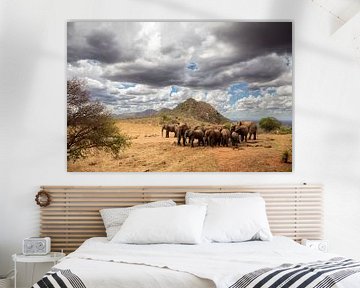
{"points": [[320, 274], [59, 278]]}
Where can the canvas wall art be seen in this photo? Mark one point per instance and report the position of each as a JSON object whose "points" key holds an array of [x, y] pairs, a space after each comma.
{"points": [[179, 96]]}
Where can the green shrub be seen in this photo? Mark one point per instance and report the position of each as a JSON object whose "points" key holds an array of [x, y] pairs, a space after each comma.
{"points": [[285, 130], [164, 119]]}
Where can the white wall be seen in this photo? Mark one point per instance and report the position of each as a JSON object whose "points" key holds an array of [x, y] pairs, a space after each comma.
{"points": [[32, 116]]}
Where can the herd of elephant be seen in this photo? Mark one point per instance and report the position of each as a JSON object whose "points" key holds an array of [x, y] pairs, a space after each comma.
{"points": [[216, 135]]}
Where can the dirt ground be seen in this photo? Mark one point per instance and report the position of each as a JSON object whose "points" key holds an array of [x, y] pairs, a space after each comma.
{"points": [[150, 152]]}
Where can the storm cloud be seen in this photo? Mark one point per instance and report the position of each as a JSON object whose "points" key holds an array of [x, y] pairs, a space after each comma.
{"points": [[134, 66]]}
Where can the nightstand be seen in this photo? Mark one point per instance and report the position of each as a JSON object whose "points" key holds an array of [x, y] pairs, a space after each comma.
{"points": [[53, 257], [320, 245]]}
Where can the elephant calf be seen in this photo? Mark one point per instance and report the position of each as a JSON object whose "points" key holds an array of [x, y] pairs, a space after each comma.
{"points": [[242, 130], [235, 138]]}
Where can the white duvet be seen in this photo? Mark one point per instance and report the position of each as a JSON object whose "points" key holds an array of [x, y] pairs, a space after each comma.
{"points": [[100, 263]]}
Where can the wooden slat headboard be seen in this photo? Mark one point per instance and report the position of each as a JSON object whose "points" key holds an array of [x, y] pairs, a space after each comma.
{"points": [[73, 215]]}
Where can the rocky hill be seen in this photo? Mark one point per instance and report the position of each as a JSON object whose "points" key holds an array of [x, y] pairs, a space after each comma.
{"points": [[198, 110]]}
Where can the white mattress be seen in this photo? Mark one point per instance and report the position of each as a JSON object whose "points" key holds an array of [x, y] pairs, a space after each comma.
{"points": [[102, 264]]}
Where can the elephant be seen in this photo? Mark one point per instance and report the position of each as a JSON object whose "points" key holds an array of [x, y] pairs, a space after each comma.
{"points": [[168, 128], [187, 134], [195, 134], [252, 128], [213, 137], [206, 136], [225, 136], [234, 138], [180, 133], [242, 130]]}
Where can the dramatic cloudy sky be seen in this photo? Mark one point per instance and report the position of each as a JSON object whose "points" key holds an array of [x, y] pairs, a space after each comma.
{"points": [[243, 69]]}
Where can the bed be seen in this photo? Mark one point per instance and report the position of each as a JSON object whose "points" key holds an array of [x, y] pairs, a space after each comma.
{"points": [[99, 263], [295, 211]]}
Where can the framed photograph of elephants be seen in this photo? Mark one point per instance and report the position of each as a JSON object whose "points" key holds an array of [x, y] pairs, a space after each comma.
{"points": [[179, 96]]}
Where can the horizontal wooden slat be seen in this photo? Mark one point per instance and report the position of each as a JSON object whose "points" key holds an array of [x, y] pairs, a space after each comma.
{"points": [[73, 216], [50, 232], [72, 227]]}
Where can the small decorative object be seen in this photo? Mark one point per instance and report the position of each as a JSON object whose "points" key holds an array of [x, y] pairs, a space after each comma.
{"points": [[36, 246], [42, 198]]}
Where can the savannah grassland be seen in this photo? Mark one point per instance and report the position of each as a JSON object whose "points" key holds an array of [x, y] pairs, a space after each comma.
{"points": [[149, 152]]}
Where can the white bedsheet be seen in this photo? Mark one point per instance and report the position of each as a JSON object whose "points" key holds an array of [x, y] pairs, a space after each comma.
{"points": [[102, 264]]}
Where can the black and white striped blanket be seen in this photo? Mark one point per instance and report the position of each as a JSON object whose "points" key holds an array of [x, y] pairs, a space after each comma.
{"points": [[320, 274], [59, 278]]}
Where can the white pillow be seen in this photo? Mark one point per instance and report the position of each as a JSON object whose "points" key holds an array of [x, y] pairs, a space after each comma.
{"points": [[204, 198], [236, 220], [113, 218], [180, 224]]}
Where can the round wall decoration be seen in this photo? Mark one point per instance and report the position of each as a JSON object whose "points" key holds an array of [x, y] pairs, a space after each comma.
{"points": [[42, 198]]}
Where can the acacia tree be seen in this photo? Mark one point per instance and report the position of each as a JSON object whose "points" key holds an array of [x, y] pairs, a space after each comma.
{"points": [[90, 124]]}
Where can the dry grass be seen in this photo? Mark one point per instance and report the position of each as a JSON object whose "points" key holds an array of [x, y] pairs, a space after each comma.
{"points": [[150, 152]]}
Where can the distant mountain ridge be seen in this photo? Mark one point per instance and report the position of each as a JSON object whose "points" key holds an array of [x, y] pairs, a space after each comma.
{"points": [[190, 108], [145, 113]]}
